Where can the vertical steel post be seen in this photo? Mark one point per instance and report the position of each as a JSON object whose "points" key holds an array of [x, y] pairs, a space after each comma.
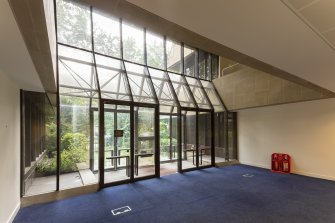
{"points": [[101, 144]]}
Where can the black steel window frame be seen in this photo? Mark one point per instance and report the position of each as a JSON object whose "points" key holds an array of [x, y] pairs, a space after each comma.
{"points": [[132, 104]]}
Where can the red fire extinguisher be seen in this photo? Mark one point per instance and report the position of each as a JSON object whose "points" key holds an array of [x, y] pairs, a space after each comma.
{"points": [[285, 164], [275, 163]]}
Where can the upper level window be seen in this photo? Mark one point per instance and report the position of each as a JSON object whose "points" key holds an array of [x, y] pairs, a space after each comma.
{"points": [[204, 65], [215, 67], [107, 37], [133, 43], [155, 50], [173, 54], [74, 25], [190, 61]]}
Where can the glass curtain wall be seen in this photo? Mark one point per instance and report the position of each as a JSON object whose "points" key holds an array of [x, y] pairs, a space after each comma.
{"points": [[102, 58], [219, 122]]}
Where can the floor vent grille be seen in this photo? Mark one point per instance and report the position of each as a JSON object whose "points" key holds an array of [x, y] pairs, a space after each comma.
{"points": [[248, 175], [121, 210]]}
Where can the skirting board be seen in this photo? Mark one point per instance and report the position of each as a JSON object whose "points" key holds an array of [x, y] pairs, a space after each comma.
{"points": [[320, 176], [325, 177], [254, 164], [14, 213]]}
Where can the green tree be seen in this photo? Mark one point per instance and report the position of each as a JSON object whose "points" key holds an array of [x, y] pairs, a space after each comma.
{"points": [[73, 24], [76, 152]]}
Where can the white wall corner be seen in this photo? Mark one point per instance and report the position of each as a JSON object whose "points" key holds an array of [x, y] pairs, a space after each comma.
{"points": [[14, 213]]}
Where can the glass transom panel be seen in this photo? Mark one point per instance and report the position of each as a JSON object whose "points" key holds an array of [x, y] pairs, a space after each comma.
{"points": [[212, 95], [76, 73], [198, 93], [182, 91], [162, 87], [140, 83], [112, 79]]}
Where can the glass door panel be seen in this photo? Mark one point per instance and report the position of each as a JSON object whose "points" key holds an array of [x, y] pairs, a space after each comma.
{"points": [[168, 144], [205, 139], [117, 143], [174, 137], [165, 136], [95, 140], [188, 139], [144, 156]]}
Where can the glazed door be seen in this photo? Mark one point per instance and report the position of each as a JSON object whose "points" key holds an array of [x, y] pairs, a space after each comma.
{"points": [[117, 146]]}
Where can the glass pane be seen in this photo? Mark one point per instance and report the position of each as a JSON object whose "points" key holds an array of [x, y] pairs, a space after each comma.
{"points": [[215, 67], [164, 123], [208, 66], [205, 138], [133, 43], [212, 95], [204, 65], [112, 79], [232, 153], [95, 139], [182, 91], [140, 83], [76, 73], [106, 31], [198, 93], [167, 109], [144, 141], [74, 24], [168, 144], [190, 58], [117, 143], [219, 139], [75, 166], [162, 87], [39, 144], [188, 139], [173, 54], [155, 50]]}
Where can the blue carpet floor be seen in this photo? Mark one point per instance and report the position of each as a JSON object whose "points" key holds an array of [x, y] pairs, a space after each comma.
{"points": [[209, 195]]}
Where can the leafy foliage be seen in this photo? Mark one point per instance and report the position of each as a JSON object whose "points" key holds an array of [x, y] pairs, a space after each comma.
{"points": [[75, 151]]}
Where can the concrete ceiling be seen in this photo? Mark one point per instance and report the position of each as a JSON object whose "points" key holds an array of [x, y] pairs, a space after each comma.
{"points": [[266, 30], [15, 60]]}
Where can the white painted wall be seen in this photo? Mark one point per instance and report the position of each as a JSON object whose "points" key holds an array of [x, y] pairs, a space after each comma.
{"points": [[304, 130], [9, 149]]}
